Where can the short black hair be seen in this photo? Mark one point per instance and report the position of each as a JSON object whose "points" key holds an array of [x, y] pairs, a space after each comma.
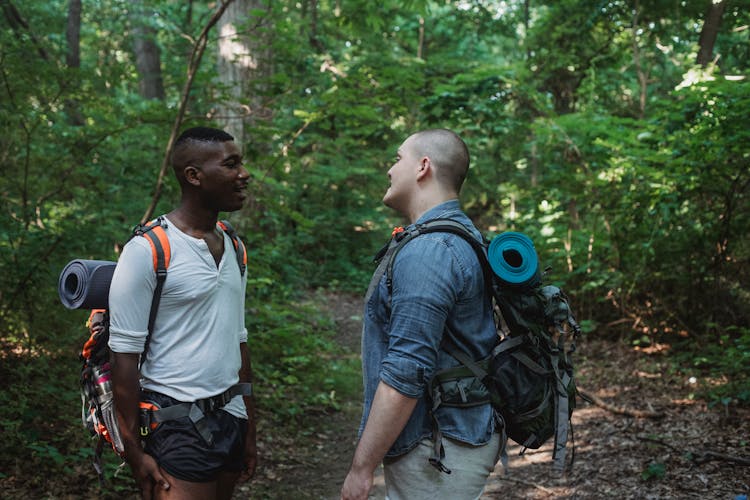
{"points": [[183, 151], [205, 134]]}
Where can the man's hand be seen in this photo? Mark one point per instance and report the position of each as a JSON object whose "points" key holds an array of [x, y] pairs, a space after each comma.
{"points": [[251, 452], [126, 389], [357, 486], [147, 475], [388, 416]]}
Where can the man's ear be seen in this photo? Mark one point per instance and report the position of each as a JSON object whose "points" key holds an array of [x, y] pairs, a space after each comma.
{"points": [[192, 175], [425, 165]]}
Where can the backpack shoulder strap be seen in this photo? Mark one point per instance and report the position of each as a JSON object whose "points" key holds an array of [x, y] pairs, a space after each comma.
{"points": [[445, 226], [155, 234], [473, 366], [239, 247]]}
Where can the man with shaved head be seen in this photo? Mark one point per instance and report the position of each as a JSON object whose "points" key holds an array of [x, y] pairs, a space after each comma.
{"points": [[436, 289], [193, 363]]}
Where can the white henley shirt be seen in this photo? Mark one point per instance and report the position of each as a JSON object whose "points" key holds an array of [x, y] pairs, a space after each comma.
{"points": [[194, 348]]}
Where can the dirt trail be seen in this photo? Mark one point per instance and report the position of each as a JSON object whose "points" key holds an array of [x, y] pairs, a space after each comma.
{"points": [[685, 454]]}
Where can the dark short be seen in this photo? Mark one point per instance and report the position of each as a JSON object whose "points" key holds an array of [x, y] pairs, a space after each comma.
{"points": [[180, 450]]}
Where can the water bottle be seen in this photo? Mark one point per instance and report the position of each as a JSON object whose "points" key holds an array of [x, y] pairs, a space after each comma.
{"points": [[103, 383]]}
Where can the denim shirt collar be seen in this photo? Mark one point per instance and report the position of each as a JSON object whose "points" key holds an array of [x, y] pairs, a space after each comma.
{"points": [[443, 210]]}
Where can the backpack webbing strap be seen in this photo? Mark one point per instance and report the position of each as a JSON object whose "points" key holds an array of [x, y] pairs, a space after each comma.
{"points": [[383, 259], [98, 466], [561, 416], [508, 343], [239, 247], [464, 358], [530, 364], [438, 450]]}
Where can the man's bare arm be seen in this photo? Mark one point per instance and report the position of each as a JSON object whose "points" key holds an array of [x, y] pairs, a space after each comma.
{"points": [[127, 391], [388, 416], [251, 451]]}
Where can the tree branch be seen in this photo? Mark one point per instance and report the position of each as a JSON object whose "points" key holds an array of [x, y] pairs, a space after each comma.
{"points": [[699, 458], [195, 59], [587, 396], [708, 456], [17, 23], [526, 483]]}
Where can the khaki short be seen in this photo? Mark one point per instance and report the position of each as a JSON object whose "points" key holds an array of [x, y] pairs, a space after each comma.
{"points": [[411, 477]]}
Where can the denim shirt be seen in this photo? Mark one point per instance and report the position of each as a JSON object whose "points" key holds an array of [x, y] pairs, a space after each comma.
{"points": [[436, 280]]}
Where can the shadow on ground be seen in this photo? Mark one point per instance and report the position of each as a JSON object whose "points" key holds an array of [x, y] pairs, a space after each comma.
{"points": [[685, 454]]}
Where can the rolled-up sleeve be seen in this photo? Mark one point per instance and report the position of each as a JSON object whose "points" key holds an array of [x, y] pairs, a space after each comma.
{"points": [[428, 277], [130, 296], [243, 336]]}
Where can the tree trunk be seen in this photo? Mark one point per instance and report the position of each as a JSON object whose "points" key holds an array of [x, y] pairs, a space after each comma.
{"points": [[73, 56], [709, 32], [73, 34], [195, 59], [314, 40], [241, 61], [147, 53], [642, 74], [420, 46]]}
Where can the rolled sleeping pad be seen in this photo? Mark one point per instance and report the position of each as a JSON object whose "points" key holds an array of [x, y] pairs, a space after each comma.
{"points": [[84, 284], [514, 260]]}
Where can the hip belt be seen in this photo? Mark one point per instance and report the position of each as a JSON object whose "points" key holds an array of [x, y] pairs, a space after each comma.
{"points": [[152, 415]]}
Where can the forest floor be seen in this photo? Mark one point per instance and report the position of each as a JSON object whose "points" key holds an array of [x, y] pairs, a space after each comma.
{"points": [[690, 451]]}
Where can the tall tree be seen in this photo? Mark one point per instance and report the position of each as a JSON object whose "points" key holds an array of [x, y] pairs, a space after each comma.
{"points": [[566, 39], [196, 55], [147, 53], [73, 55], [241, 62], [710, 31], [73, 34]]}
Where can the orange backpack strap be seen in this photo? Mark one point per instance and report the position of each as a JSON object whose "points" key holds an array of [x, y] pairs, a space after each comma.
{"points": [[95, 324], [239, 247], [155, 234]]}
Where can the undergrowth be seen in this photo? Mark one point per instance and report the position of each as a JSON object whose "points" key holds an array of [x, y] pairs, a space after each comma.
{"points": [[298, 370], [722, 365], [298, 366]]}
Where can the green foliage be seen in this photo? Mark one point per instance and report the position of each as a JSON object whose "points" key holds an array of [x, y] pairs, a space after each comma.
{"points": [[62, 180], [42, 432], [589, 129], [298, 367], [580, 176], [722, 367]]}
